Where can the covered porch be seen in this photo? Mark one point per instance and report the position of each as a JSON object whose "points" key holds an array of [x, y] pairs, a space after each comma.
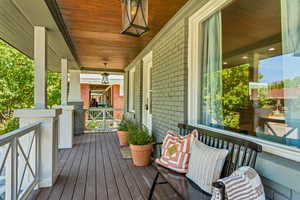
{"points": [[208, 64], [95, 169]]}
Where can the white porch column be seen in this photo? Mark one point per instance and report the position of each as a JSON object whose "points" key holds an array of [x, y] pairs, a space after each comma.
{"points": [[64, 81], [74, 92], [40, 71], [66, 120], [75, 99], [49, 117]]}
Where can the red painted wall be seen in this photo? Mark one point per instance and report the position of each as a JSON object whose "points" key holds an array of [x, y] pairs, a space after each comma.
{"points": [[118, 101], [85, 95]]}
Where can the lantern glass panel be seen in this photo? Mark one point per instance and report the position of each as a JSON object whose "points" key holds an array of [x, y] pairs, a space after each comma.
{"points": [[135, 17]]}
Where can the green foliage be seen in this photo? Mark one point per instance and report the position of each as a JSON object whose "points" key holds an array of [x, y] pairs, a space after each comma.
{"points": [[138, 135], [54, 87], [235, 93], [263, 100], [16, 85], [123, 126], [93, 125]]}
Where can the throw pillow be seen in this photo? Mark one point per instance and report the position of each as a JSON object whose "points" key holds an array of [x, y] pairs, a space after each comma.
{"points": [[206, 165], [176, 151]]}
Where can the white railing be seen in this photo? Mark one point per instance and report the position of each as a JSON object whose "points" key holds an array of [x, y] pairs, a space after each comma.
{"points": [[102, 119], [19, 162]]}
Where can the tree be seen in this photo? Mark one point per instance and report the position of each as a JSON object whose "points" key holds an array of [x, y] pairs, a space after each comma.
{"points": [[16, 85], [235, 93]]}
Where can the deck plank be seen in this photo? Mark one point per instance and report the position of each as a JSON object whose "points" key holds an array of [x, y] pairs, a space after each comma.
{"points": [[70, 185], [121, 183], [94, 169], [61, 181], [90, 189], [101, 189], [45, 192], [112, 188], [131, 183], [79, 190]]}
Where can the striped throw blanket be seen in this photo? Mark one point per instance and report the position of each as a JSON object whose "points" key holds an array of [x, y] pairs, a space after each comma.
{"points": [[243, 184]]}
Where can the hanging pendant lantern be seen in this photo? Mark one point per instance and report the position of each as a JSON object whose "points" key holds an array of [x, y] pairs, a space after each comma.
{"points": [[105, 75], [135, 17]]}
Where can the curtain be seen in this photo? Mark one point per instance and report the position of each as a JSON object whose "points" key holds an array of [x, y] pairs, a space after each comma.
{"points": [[290, 19], [211, 111]]}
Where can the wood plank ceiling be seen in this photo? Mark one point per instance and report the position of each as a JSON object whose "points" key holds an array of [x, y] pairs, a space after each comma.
{"points": [[95, 25]]}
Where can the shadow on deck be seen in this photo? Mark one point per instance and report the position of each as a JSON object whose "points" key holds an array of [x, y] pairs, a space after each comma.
{"points": [[95, 169]]}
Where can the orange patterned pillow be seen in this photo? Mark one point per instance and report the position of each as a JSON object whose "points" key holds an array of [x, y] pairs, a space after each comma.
{"points": [[176, 151]]}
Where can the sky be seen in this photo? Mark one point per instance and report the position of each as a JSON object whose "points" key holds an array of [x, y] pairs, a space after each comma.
{"points": [[279, 68]]}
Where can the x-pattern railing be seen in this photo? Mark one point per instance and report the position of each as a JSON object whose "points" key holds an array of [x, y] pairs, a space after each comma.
{"points": [[101, 119], [20, 162]]}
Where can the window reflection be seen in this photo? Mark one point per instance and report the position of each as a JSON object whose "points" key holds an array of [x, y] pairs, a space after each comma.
{"points": [[260, 71]]}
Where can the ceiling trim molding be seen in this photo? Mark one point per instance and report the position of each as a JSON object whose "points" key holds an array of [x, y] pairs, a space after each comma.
{"points": [[102, 70], [58, 18]]}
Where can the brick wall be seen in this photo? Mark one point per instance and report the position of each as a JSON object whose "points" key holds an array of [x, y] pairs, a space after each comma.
{"points": [[169, 83], [118, 101], [85, 95]]}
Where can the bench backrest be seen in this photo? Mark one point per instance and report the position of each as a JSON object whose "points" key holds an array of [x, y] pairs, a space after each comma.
{"points": [[241, 152]]}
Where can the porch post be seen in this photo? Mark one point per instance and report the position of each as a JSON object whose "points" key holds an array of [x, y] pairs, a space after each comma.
{"points": [[48, 152], [40, 70], [75, 100], [66, 120]]}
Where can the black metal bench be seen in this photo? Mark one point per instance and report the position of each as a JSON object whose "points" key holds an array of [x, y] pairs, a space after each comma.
{"points": [[241, 153]]}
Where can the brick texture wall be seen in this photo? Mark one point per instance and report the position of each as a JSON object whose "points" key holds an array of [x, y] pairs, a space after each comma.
{"points": [[138, 90], [169, 80], [85, 95]]}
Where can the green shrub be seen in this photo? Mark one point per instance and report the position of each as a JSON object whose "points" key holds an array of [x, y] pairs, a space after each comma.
{"points": [[139, 135], [93, 125], [123, 126]]}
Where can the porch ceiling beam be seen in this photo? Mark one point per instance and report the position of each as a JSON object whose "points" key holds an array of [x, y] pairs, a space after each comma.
{"points": [[58, 18], [102, 70]]}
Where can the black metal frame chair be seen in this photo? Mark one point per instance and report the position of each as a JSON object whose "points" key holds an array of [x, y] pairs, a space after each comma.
{"points": [[241, 153]]}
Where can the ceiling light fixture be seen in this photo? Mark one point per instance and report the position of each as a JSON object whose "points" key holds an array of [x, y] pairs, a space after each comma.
{"points": [[105, 76], [271, 49], [245, 57], [135, 17]]}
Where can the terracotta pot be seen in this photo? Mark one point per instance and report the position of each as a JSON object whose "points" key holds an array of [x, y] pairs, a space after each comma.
{"points": [[141, 154], [123, 137]]}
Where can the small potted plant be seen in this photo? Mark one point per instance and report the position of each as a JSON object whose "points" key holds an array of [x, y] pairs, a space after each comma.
{"points": [[123, 132], [141, 145]]}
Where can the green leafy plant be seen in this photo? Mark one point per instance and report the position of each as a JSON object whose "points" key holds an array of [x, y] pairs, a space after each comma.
{"points": [[138, 135], [124, 125], [17, 85]]}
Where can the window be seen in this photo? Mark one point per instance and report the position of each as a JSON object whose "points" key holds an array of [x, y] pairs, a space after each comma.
{"points": [[250, 70], [131, 90]]}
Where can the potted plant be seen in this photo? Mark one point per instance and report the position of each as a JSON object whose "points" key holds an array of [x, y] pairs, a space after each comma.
{"points": [[123, 132], [141, 145]]}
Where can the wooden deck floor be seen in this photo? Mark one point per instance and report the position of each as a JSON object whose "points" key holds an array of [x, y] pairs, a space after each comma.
{"points": [[94, 169]]}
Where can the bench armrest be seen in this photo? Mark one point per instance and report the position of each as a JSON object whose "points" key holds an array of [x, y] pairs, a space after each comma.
{"points": [[221, 187], [157, 144]]}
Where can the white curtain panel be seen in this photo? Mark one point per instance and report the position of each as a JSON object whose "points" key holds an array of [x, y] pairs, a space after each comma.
{"points": [[290, 19], [211, 110]]}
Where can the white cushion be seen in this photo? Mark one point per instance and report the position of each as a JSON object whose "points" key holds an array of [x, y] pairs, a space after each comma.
{"points": [[206, 164]]}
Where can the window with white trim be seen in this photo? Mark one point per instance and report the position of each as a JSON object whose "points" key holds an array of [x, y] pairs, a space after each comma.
{"points": [[131, 90], [245, 71]]}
